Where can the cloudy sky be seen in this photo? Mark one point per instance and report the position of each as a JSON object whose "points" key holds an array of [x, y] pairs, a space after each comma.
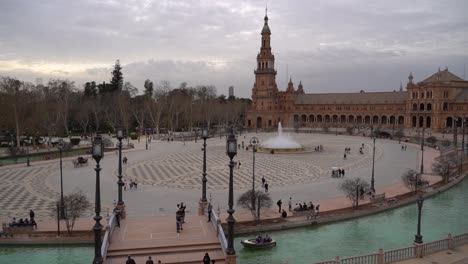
{"points": [[332, 45]]}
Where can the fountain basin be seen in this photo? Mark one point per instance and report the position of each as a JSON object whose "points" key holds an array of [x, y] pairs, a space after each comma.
{"points": [[280, 144]]}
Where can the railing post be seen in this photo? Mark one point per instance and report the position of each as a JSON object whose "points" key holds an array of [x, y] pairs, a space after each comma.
{"points": [[450, 241], [337, 260], [419, 250], [380, 256]]}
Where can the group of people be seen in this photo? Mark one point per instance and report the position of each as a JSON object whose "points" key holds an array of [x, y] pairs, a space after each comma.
{"points": [[338, 173], [404, 147], [262, 239], [180, 217], [81, 160], [24, 222], [130, 260], [318, 148]]}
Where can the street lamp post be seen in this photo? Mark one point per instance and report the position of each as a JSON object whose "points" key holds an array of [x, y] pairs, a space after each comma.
{"points": [[254, 142], [373, 167], [28, 163], [146, 134], [231, 151], [120, 182], [62, 204], [422, 152], [203, 201], [418, 237], [463, 146], [97, 152]]}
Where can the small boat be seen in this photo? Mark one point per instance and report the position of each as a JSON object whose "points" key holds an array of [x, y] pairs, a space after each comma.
{"points": [[251, 243]]}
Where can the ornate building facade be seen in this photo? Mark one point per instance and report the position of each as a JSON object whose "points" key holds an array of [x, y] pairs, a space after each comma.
{"points": [[437, 103]]}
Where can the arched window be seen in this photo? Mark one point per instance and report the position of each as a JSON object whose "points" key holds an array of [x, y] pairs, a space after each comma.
{"points": [[414, 121], [445, 106], [415, 107], [421, 107], [429, 107]]}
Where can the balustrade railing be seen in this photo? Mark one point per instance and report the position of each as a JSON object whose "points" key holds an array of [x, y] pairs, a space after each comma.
{"points": [[366, 259], [399, 254], [435, 246], [460, 240], [219, 230], [111, 223]]}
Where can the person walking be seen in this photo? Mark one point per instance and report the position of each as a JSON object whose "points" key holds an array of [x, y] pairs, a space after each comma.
{"points": [[31, 214], [317, 210], [210, 209], [206, 259], [130, 260], [266, 187], [290, 204], [344, 156], [149, 261], [279, 203], [263, 181], [238, 164]]}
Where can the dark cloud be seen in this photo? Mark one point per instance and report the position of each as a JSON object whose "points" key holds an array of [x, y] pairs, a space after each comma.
{"points": [[334, 45]]}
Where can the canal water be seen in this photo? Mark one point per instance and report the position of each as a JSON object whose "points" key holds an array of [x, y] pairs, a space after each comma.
{"points": [[442, 214], [54, 254]]}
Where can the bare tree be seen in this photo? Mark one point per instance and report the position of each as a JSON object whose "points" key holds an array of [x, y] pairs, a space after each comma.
{"points": [[75, 204], [412, 180], [442, 166], [263, 201], [351, 188], [12, 88]]}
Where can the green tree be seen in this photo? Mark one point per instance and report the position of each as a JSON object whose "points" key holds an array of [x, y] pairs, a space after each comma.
{"points": [[90, 89], [117, 78], [149, 88]]}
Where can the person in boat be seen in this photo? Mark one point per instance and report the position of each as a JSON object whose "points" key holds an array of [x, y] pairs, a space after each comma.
{"points": [[259, 239], [266, 239]]}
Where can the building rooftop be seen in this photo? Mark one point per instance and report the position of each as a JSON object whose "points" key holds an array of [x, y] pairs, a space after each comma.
{"points": [[443, 76], [397, 97]]}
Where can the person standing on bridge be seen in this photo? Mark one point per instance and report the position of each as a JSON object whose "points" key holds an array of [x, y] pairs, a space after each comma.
{"points": [[149, 261], [130, 260], [206, 259]]}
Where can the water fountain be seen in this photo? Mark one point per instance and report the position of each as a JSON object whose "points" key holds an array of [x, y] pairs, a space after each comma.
{"points": [[281, 143]]}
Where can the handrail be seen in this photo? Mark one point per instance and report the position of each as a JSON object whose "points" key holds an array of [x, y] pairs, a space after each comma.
{"points": [[367, 259], [111, 223], [399, 254], [219, 230]]}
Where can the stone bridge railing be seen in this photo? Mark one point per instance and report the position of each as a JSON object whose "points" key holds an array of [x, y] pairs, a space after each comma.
{"points": [[395, 255]]}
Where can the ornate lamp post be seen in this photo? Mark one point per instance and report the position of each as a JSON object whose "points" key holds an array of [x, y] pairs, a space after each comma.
{"points": [[97, 152], [422, 152], [203, 201], [120, 183], [254, 142], [231, 151], [373, 160], [418, 237], [62, 204]]}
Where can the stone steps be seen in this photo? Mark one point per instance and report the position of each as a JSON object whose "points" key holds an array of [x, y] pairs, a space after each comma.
{"points": [[164, 250], [179, 257]]}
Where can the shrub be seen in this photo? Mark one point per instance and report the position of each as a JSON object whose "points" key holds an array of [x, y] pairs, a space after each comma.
{"points": [[133, 136], [75, 141]]}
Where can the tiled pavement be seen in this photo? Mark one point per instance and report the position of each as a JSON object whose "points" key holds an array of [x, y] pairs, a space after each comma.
{"points": [[170, 172]]}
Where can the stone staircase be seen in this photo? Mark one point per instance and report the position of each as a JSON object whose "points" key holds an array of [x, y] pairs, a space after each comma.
{"points": [[175, 253], [156, 236]]}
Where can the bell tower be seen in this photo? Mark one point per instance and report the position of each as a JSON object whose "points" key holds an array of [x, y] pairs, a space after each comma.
{"points": [[264, 90]]}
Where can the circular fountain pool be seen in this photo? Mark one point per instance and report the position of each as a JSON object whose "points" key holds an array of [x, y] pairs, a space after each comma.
{"points": [[280, 144]]}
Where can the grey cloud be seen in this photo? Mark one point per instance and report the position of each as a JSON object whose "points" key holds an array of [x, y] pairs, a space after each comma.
{"points": [[180, 40]]}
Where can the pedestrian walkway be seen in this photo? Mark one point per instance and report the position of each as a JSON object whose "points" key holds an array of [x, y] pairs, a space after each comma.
{"points": [[157, 237]]}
